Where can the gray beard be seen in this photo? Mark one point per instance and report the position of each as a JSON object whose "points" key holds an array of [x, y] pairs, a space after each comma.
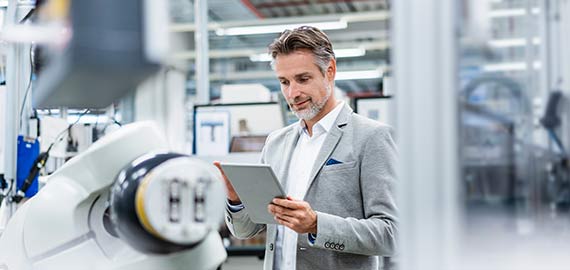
{"points": [[314, 108]]}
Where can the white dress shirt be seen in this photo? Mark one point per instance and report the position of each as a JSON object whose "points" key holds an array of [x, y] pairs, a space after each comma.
{"points": [[302, 162]]}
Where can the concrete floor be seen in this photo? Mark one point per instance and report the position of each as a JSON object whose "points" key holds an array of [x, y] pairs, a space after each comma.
{"points": [[254, 263], [243, 263]]}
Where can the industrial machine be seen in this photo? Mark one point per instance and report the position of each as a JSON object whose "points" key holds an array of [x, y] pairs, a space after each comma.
{"points": [[499, 157], [494, 109], [125, 203]]}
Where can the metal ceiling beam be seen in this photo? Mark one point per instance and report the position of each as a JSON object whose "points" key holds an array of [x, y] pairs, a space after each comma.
{"points": [[252, 8], [306, 3], [348, 17]]}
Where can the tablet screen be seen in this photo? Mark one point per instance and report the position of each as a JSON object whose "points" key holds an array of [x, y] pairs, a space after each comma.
{"points": [[256, 185]]}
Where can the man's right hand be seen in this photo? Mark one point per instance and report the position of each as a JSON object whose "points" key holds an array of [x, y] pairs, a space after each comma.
{"points": [[232, 195]]}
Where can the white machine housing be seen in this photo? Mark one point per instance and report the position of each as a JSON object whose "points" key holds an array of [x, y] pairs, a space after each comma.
{"points": [[62, 226]]}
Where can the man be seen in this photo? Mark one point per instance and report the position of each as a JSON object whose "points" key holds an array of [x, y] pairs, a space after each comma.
{"points": [[338, 169]]}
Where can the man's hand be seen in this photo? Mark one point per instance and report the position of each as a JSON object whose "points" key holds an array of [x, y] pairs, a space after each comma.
{"points": [[297, 215], [232, 195]]}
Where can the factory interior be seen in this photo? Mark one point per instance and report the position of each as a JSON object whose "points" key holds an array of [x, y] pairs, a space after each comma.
{"points": [[114, 112]]}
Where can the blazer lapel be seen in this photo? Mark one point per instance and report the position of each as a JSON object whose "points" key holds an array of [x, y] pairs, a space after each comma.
{"points": [[330, 143], [290, 143]]}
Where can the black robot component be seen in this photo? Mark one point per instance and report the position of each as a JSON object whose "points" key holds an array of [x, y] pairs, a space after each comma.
{"points": [[174, 201], [123, 213], [551, 121]]}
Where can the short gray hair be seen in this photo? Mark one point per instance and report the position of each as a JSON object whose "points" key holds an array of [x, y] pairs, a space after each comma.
{"points": [[304, 37]]}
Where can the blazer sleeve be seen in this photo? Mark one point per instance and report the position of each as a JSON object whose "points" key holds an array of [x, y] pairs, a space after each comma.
{"points": [[241, 226], [374, 235]]}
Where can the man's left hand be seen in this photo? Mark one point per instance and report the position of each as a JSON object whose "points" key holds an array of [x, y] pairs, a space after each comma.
{"points": [[297, 215]]}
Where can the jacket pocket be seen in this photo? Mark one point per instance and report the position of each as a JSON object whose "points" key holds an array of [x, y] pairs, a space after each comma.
{"points": [[339, 167]]}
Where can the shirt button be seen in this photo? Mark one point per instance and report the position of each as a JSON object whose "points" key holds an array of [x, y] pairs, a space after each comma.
{"points": [[271, 247], [341, 247], [327, 245], [337, 247]]}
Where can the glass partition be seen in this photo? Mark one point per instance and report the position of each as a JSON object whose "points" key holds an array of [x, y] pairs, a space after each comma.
{"points": [[514, 182]]}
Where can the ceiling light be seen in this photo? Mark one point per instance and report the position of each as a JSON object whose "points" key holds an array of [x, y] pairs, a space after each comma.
{"points": [[358, 75], [262, 57], [502, 43], [515, 42], [277, 28], [510, 66], [507, 13], [353, 52], [502, 13], [339, 53], [88, 119]]}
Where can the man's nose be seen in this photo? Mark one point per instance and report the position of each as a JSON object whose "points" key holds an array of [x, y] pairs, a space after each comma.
{"points": [[293, 91]]}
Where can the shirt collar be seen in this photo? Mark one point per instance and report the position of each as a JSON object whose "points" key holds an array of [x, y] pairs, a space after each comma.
{"points": [[326, 122]]}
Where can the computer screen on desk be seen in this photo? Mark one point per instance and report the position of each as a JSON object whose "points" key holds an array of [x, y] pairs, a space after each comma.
{"points": [[247, 143], [215, 125]]}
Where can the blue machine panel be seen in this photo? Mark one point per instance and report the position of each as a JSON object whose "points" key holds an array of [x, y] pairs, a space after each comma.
{"points": [[28, 151]]}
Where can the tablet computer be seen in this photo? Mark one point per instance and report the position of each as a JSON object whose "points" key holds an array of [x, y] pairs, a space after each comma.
{"points": [[256, 185]]}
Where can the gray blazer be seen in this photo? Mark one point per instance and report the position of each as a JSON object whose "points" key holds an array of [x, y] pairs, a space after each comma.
{"points": [[354, 200]]}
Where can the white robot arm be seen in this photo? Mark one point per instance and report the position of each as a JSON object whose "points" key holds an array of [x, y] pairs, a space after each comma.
{"points": [[118, 207]]}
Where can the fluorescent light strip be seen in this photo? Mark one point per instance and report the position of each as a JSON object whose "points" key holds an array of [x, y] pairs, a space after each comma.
{"points": [[510, 66], [88, 119], [262, 57], [504, 67], [503, 13], [500, 13], [515, 42], [358, 75], [352, 52], [339, 53], [502, 43], [278, 28]]}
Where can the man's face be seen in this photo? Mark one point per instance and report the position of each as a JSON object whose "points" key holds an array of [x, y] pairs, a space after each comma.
{"points": [[306, 89]]}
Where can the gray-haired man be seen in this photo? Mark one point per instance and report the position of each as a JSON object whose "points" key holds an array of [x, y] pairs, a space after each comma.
{"points": [[337, 167]]}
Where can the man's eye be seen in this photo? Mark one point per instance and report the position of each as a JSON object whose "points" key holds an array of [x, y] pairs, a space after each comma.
{"points": [[303, 80], [284, 82]]}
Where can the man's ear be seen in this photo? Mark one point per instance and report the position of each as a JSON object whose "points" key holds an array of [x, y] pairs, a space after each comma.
{"points": [[331, 70]]}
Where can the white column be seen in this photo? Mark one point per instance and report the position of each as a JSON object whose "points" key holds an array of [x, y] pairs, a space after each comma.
{"points": [[564, 55], [202, 47], [16, 82], [424, 52]]}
